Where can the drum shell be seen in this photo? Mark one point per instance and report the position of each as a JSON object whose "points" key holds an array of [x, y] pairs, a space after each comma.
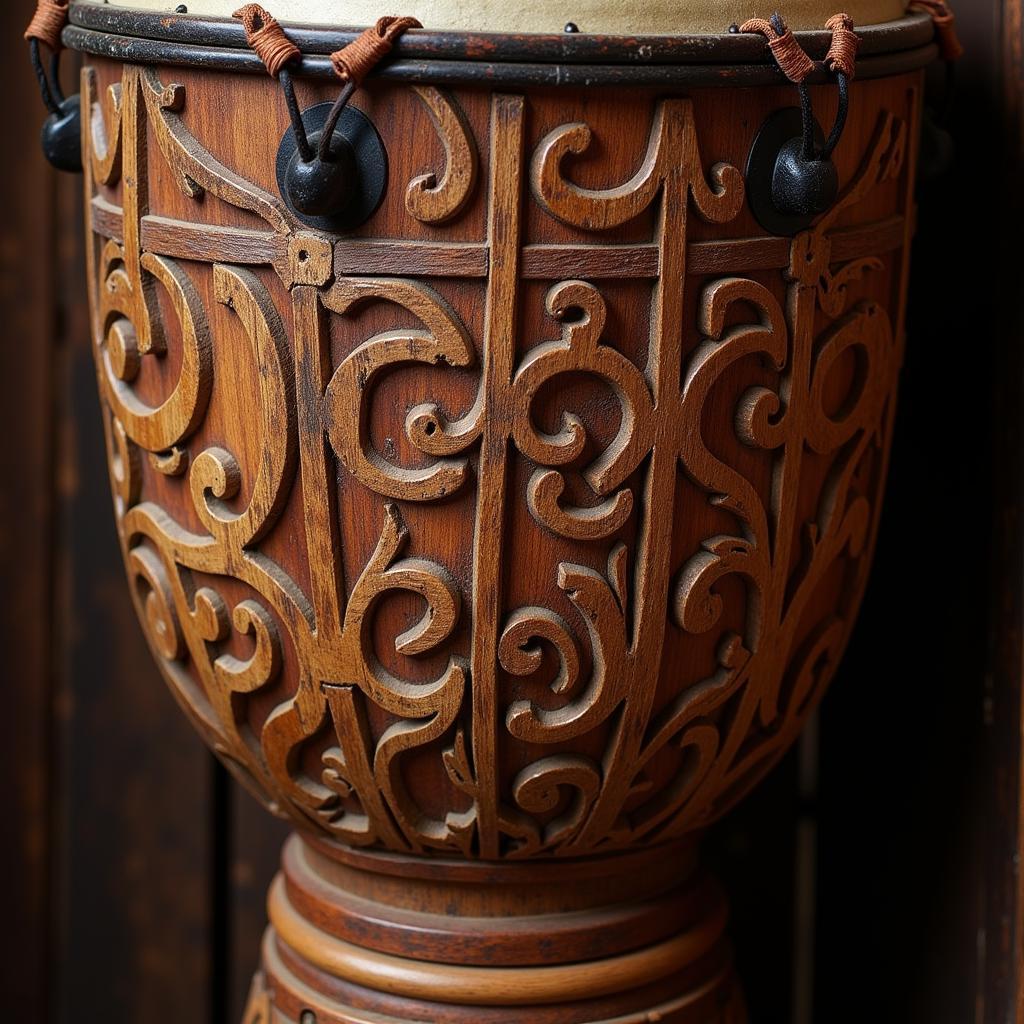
{"points": [[317, 575]]}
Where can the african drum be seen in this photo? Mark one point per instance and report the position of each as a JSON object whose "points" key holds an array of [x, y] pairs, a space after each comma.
{"points": [[497, 452]]}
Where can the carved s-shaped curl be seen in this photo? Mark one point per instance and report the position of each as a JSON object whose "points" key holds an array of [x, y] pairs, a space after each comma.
{"points": [[867, 334], [537, 791], [158, 428], [250, 674], [696, 606], [672, 152], [601, 612], [424, 711], [157, 601], [434, 201], [579, 350], [347, 404], [215, 474]]}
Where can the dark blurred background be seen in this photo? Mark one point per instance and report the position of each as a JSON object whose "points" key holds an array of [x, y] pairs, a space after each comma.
{"points": [[874, 876]]}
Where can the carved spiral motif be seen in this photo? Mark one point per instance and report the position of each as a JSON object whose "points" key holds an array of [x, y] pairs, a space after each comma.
{"points": [[671, 515]]}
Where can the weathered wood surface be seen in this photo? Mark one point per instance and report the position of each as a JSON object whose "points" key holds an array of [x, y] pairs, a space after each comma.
{"points": [[920, 972], [494, 564]]}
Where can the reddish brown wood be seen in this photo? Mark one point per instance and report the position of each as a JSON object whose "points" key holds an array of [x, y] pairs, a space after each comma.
{"points": [[521, 527]]}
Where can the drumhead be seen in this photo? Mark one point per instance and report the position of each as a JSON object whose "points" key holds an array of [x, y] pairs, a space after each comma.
{"points": [[604, 17]]}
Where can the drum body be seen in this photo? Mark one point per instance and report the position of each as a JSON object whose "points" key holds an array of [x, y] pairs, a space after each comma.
{"points": [[503, 541]]}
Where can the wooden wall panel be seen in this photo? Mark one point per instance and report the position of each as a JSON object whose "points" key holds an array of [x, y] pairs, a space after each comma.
{"points": [[26, 300], [1001, 981], [255, 839], [921, 732], [133, 863]]}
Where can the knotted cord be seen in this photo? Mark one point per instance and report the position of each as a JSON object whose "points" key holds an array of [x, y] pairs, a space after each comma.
{"points": [[788, 53], [355, 61], [797, 66], [267, 38], [46, 27], [950, 47], [47, 23], [351, 64]]}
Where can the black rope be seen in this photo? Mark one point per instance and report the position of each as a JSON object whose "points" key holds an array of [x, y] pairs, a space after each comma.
{"points": [[44, 84], [807, 118], [841, 114], [327, 137], [298, 125], [55, 77]]}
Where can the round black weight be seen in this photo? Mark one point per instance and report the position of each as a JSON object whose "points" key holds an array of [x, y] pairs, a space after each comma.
{"points": [[785, 191], [800, 186], [341, 193], [62, 136], [322, 188]]}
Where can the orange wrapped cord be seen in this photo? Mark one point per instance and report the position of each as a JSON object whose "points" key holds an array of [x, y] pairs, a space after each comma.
{"points": [[354, 62], [48, 22], [842, 54], [788, 53], [267, 38], [791, 57], [950, 46]]}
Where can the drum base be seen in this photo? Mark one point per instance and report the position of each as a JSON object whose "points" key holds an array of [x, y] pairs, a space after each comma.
{"points": [[363, 938]]}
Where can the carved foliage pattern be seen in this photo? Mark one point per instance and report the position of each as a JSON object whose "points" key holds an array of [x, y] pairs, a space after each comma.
{"points": [[314, 421]]}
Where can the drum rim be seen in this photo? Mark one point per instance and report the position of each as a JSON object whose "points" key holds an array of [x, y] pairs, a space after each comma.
{"points": [[152, 37]]}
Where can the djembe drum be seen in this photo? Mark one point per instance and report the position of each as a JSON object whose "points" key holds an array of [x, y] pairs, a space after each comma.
{"points": [[497, 452]]}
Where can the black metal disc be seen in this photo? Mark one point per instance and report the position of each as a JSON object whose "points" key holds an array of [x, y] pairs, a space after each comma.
{"points": [[783, 125], [371, 162]]}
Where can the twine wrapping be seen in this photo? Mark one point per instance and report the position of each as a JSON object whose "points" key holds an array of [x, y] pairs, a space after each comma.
{"points": [[48, 22], [355, 61], [267, 38], [788, 53], [950, 46], [842, 54]]}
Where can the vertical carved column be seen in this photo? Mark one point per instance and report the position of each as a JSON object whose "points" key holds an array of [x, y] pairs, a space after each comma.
{"points": [[502, 545]]}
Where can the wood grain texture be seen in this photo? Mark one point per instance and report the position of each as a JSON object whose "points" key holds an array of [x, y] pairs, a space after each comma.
{"points": [[545, 516]]}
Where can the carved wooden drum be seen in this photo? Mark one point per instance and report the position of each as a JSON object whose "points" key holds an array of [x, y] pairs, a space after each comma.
{"points": [[498, 514]]}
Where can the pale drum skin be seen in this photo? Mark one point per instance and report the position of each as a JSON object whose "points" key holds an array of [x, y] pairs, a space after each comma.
{"points": [[650, 17]]}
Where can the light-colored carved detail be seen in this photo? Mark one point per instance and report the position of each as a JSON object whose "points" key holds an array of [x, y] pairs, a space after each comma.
{"points": [[443, 340], [434, 200], [196, 169], [172, 462], [580, 350], [371, 708], [257, 1006], [104, 127], [672, 153], [214, 476]]}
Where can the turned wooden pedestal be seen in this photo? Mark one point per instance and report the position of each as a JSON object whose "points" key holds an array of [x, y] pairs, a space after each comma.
{"points": [[634, 936], [504, 541]]}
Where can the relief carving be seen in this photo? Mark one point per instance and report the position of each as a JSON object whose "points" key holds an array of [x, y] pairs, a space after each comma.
{"points": [[578, 664]]}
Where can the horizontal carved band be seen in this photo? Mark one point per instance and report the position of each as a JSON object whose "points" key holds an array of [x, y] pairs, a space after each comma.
{"points": [[470, 260], [284, 990], [487, 986], [639, 908]]}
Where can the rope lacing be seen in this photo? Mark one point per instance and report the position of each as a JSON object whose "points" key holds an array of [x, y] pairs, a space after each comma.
{"points": [[351, 64], [950, 47], [48, 23]]}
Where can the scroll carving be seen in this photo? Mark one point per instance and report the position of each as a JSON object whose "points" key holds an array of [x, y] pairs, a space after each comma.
{"points": [[436, 200], [686, 572]]}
